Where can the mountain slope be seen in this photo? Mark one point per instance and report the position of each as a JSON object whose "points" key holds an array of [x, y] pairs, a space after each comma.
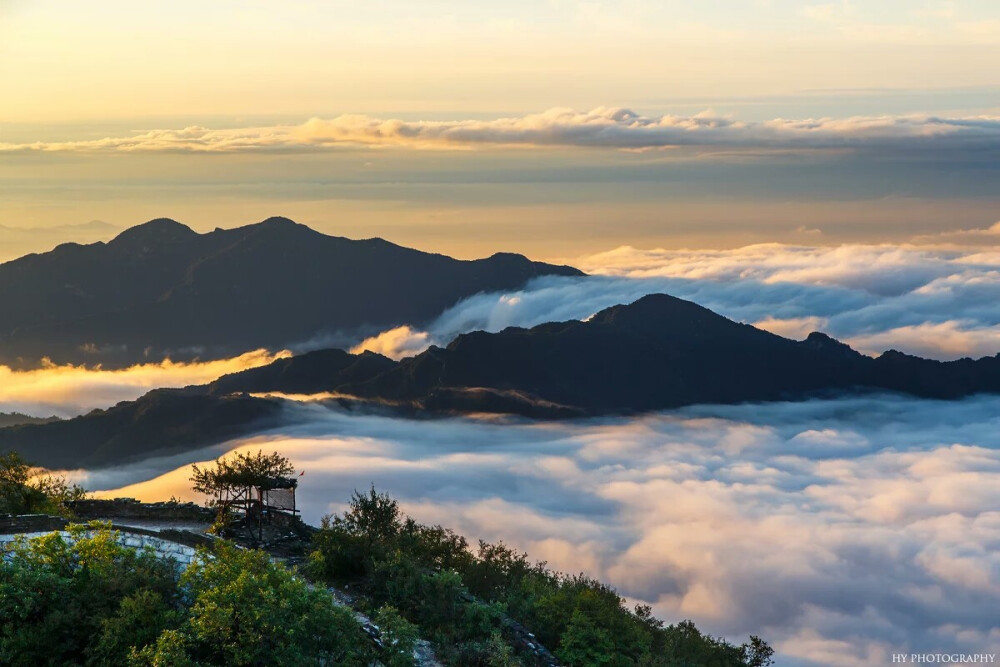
{"points": [[160, 288], [657, 353]]}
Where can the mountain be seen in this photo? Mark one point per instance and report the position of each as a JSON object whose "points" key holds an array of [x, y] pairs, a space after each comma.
{"points": [[162, 422], [17, 241], [162, 289], [16, 419], [657, 353]]}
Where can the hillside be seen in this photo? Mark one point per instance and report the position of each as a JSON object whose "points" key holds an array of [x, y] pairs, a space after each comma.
{"points": [[162, 289], [657, 353]]}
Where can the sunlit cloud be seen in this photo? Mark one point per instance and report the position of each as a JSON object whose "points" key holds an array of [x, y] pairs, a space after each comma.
{"points": [[603, 127], [396, 343], [937, 303], [69, 390], [849, 528], [952, 338], [796, 328]]}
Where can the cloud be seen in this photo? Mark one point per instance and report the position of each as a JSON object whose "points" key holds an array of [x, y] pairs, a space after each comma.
{"points": [[937, 303], [951, 339], [69, 390], [396, 343], [989, 235], [841, 530], [602, 128], [796, 328]]}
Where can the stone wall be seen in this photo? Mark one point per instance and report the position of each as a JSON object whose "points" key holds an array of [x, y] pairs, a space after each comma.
{"points": [[130, 508], [178, 546]]}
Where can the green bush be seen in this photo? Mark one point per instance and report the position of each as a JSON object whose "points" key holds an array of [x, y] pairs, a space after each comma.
{"points": [[26, 490], [70, 601], [398, 636], [459, 599], [88, 600]]}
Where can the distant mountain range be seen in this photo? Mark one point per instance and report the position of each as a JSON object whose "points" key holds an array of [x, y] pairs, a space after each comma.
{"points": [[163, 289], [17, 241], [16, 419], [657, 353]]}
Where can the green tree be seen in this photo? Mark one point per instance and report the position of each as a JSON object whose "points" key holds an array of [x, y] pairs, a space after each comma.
{"points": [[398, 637], [239, 482], [585, 644], [459, 600], [25, 489], [247, 610], [56, 593]]}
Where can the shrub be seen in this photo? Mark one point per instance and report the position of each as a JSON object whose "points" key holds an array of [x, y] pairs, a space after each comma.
{"points": [[460, 599]]}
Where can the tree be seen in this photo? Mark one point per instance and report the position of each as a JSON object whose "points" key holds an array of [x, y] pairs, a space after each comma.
{"points": [[239, 483], [89, 600], [57, 593], [398, 637], [247, 610], [24, 489]]}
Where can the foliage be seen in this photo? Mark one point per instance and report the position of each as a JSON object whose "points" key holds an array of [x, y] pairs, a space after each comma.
{"points": [[461, 600], [88, 600], [238, 476], [25, 490], [72, 601], [247, 610], [398, 637], [242, 470]]}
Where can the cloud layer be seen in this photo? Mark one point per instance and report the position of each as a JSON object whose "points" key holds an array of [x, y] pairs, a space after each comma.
{"points": [[67, 391], [843, 531], [938, 303], [602, 127], [942, 304]]}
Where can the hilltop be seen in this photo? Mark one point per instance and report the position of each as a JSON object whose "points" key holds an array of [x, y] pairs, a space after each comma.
{"points": [[161, 289]]}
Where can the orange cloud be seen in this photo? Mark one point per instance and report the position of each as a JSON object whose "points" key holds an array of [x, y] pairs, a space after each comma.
{"points": [[70, 390]]}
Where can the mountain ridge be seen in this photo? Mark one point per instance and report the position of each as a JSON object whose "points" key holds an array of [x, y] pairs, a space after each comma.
{"points": [[162, 289], [657, 353]]}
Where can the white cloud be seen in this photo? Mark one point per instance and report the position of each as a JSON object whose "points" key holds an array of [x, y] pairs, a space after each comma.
{"points": [[841, 530], [937, 303], [951, 339], [602, 127]]}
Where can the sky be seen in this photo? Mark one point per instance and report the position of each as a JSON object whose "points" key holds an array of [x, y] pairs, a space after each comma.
{"points": [[795, 165], [554, 128]]}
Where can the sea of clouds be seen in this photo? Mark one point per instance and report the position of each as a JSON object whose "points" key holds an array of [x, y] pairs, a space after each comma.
{"points": [[942, 303], [841, 530]]}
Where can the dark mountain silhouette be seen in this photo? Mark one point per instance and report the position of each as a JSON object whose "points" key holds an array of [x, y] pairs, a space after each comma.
{"points": [[16, 419], [162, 422], [657, 353], [162, 289]]}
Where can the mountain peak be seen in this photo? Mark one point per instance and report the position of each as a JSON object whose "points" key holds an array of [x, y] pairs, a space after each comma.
{"points": [[818, 340], [658, 311], [279, 221], [158, 230]]}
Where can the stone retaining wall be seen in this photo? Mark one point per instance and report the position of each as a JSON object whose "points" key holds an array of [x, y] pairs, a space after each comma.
{"points": [[178, 546], [130, 508]]}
